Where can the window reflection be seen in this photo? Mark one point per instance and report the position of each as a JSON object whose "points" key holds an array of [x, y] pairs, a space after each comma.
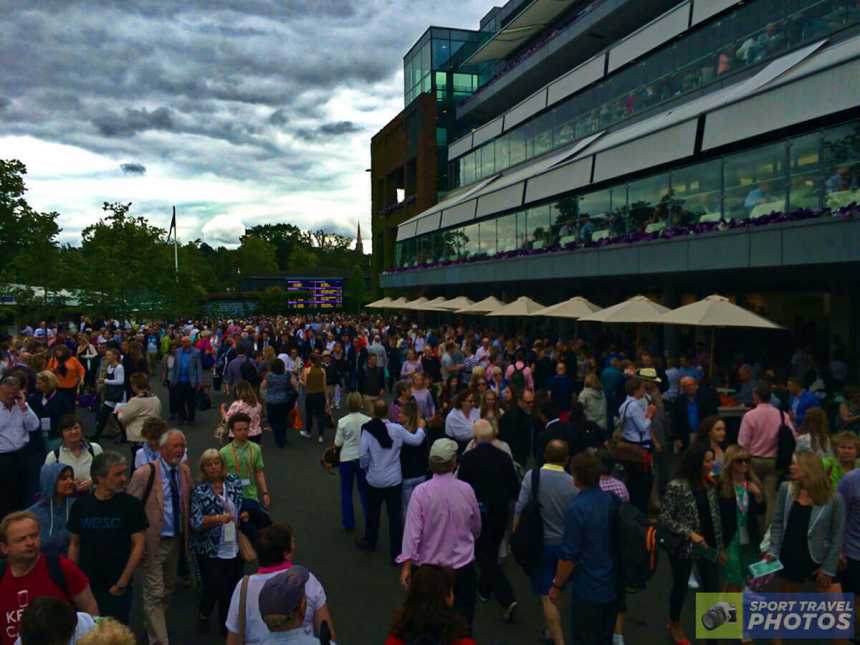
{"points": [[840, 151], [755, 185], [471, 240], [524, 238], [564, 221], [649, 204], [487, 238], [538, 223], [697, 192], [805, 169], [594, 209], [506, 233]]}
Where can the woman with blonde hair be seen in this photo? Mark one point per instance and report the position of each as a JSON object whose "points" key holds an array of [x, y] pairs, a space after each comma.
{"points": [[414, 460], [216, 509], [742, 507], [806, 533], [108, 632], [491, 411], [594, 400], [247, 403]]}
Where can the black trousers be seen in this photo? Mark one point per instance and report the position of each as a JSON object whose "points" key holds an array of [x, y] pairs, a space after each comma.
{"points": [[12, 477], [278, 414], [392, 498], [106, 414], [465, 586], [592, 623], [681, 568], [186, 406], [491, 576], [219, 579], [315, 410], [118, 607], [639, 486]]}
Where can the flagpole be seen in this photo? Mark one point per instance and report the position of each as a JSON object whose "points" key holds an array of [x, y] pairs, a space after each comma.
{"points": [[175, 247]]}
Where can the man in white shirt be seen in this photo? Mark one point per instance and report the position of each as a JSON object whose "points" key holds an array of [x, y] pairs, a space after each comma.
{"points": [[17, 421]]}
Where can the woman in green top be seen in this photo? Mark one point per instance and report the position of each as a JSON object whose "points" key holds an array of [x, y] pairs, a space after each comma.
{"points": [[244, 459], [742, 507]]}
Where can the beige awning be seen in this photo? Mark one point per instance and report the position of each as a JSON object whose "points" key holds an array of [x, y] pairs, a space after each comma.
{"points": [[716, 311], [379, 304], [396, 304], [418, 303], [522, 306], [637, 309], [482, 307], [454, 304], [574, 308]]}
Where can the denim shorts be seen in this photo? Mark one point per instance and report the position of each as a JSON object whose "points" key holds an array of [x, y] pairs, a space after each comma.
{"points": [[541, 577]]}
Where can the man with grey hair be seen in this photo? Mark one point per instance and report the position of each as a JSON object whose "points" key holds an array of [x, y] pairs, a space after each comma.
{"points": [[693, 405], [164, 486], [106, 531], [17, 421], [442, 524], [490, 472]]}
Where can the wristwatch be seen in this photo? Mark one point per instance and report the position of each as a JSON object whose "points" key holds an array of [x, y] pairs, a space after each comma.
{"points": [[555, 585]]}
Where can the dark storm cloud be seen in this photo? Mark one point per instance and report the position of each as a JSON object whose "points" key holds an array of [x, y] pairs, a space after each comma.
{"points": [[130, 122], [133, 168], [329, 131]]}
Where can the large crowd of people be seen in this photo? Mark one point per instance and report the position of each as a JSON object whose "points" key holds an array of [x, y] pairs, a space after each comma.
{"points": [[469, 437]]}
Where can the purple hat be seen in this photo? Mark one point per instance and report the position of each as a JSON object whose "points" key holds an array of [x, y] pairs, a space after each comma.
{"points": [[283, 593]]}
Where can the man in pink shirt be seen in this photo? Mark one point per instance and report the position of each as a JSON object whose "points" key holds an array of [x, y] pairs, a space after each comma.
{"points": [[759, 435], [442, 524]]}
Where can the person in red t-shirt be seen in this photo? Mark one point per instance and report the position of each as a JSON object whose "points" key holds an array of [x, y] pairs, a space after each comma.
{"points": [[27, 575], [428, 610]]}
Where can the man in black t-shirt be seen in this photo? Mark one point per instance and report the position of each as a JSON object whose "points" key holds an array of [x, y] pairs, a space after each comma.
{"points": [[106, 530]]}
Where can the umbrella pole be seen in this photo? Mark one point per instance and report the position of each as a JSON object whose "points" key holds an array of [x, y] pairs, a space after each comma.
{"points": [[713, 343]]}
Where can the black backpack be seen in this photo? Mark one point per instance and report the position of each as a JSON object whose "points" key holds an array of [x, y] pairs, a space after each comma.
{"points": [[527, 540], [785, 444], [55, 571], [635, 547], [248, 372]]}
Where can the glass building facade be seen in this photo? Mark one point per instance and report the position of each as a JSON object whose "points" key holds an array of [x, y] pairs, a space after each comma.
{"points": [[428, 66], [751, 33], [819, 168]]}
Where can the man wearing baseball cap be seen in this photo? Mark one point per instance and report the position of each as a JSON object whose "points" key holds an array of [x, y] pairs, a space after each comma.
{"points": [[448, 538], [282, 607]]}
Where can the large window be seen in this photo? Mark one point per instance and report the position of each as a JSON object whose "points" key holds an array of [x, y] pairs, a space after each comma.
{"points": [[751, 33], [807, 171]]}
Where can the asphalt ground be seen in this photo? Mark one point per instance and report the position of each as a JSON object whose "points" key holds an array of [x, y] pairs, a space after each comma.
{"points": [[363, 588]]}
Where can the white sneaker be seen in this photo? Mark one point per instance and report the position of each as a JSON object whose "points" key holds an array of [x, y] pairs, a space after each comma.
{"points": [[319, 439], [305, 434], [693, 582]]}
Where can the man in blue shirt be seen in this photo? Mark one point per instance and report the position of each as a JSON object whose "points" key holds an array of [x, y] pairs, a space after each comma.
{"points": [[560, 387], [586, 556], [185, 379], [801, 400]]}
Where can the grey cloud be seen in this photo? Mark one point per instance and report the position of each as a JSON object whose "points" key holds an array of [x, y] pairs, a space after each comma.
{"points": [[329, 131], [278, 117], [4, 103], [133, 168], [132, 121]]}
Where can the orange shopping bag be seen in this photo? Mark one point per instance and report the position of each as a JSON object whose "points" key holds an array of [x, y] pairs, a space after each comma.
{"points": [[296, 419]]}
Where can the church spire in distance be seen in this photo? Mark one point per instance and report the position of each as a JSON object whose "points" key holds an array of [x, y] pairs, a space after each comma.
{"points": [[359, 247]]}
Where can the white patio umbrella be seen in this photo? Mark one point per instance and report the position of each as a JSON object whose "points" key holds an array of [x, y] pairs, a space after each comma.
{"points": [[522, 306], [574, 309], [396, 304], [716, 311], [379, 304], [417, 304], [636, 310], [438, 302], [460, 302], [484, 306]]}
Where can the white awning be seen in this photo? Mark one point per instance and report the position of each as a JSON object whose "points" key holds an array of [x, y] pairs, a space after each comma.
{"points": [[530, 21]]}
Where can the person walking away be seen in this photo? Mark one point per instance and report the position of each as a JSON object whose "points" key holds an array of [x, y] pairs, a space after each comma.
{"points": [[17, 422], [54, 506], [556, 491], [30, 574], [586, 556], [283, 604], [167, 511], [379, 457], [166, 371], [140, 407], [276, 551], [593, 400], [244, 459], [216, 509], [413, 459], [106, 536], [427, 611], [152, 430], [281, 396], [187, 378], [490, 472], [442, 524], [316, 403], [114, 390], [636, 430], [691, 511], [348, 439], [759, 436]]}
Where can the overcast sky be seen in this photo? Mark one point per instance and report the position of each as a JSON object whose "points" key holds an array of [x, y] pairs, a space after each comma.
{"points": [[237, 111]]}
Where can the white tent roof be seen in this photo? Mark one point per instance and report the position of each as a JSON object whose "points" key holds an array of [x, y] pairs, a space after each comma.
{"points": [[522, 306], [574, 308], [637, 309], [396, 304], [460, 302], [716, 311], [484, 306], [379, 304]]}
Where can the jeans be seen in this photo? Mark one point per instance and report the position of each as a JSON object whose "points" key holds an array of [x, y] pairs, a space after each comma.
{"points": [[392, 498], [219, 579], [350, 473], [409, 486], [491, 576], [592, 623], [681, 568]]}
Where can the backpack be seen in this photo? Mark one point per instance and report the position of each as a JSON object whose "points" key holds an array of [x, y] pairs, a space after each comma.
{"points": [[518, 378], [636, 548], [785, 444], [527, 540], [86, 443], [55, 572], [248, 372]]}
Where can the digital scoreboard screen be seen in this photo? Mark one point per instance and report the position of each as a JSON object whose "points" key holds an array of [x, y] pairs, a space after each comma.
{"points": [[315, 293]]}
